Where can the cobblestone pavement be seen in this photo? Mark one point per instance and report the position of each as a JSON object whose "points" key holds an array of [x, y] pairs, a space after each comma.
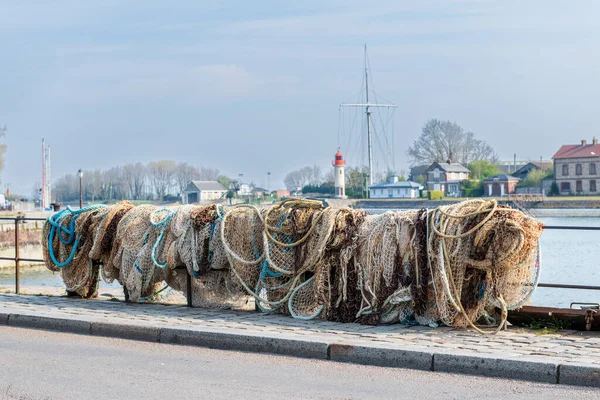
{"points": [[564, 347]]}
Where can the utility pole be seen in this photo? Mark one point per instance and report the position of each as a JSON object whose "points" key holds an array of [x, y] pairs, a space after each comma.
{"points": [[367, 107]]}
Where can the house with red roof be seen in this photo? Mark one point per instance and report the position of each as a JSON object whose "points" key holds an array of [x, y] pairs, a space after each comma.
{"points": [[576, 168]]}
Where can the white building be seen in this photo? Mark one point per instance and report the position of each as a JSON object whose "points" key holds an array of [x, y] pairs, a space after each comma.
{"points": [[198, 191], [395, 189], [340, 179]]}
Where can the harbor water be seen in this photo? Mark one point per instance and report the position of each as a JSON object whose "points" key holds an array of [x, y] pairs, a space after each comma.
{"points": [[568, 257]]}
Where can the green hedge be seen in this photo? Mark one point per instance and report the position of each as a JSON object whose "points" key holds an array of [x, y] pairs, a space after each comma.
{"points": [[436, 195], [474, 192]]}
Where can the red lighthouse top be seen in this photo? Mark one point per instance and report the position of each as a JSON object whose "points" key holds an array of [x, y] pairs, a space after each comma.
{"points": [[338, 159]]}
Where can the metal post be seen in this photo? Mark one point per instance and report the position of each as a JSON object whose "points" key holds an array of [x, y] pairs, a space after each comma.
{"points": [[17, 272], [80, 172], [189, 289], [369, 139]]}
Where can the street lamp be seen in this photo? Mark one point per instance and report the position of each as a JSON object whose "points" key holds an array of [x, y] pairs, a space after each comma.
{"points": [[80, 173], [268, 180]]}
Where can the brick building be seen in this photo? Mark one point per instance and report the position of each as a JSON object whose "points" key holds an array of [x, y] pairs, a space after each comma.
{"points": [[576, 168]]}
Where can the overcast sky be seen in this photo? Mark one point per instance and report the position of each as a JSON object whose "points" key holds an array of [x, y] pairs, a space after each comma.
{"points": [[254, 86]]}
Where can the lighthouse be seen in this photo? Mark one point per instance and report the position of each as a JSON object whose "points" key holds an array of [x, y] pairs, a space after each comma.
{"points": [[340, 179]]}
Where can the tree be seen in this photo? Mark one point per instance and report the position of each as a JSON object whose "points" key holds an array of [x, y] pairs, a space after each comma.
{"points": [[225, 181], [482, 169], [162, 174], [443, 140], [533, 179], [208, 174], [2, 148], [135, 178], [185, 174], [302, 177]]}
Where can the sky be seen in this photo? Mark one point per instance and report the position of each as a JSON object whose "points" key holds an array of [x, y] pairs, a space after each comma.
{"points": [[254, 86]]}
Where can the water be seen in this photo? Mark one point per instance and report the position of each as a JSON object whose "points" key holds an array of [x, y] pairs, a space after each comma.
{"points": [[568, 257], [39, 276]]}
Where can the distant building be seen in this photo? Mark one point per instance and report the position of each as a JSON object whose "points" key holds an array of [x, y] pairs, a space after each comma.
{"points": [[198, 191], [282, 193], [446, 177], [395, 189], [499, 185], [244, 190], [260, 192], [419, 171], [522, 172], [510, 167], [576, 168]]}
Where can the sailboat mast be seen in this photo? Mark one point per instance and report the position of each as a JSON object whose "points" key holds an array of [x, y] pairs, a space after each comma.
{"points": [[369, 138], [367, 106]]}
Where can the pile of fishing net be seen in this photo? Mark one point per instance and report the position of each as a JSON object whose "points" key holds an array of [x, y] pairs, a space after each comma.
{"points": [[460, 265]]}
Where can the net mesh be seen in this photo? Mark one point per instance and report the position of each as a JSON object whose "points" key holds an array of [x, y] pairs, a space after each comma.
{"points": [[298, 257]]}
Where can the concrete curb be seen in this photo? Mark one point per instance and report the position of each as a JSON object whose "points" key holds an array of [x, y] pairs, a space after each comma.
{"points": [[50, 323], [297, 346], [129, 331], [508, 368], [232, 340], [580, 375], [381, 356]]}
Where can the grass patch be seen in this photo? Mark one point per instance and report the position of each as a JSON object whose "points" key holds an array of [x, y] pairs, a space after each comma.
{"points": [[548, 326]]}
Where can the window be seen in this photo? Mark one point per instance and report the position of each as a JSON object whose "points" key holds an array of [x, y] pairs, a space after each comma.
{"points": [[565, 169], [592, 169], [578, 187], [592, 186], [565, 186], [340, 171], [577, 169]]}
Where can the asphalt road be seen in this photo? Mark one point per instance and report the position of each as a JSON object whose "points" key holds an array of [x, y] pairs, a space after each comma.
{"points": [[48, 365]]}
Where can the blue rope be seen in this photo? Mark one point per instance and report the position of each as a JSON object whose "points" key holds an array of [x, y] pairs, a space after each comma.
{"points": [[72, 238], [153, 295], [162, 225]]}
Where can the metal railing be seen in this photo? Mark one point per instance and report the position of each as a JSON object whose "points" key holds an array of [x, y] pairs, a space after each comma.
{"points": [[17, 259]]}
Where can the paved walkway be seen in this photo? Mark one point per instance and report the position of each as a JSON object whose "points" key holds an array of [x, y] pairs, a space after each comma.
{"points": [[576, 354]]}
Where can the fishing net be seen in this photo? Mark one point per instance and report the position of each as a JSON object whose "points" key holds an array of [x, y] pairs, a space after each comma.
{"points": [[448, 265], [70, 236]]}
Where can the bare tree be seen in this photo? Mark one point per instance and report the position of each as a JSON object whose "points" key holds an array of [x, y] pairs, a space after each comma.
{"points": [[162, 174], [94, 183], [443, 140], [302, 177], [2, 148], [316, 177], [208, 174], [185, 174], [134, 176]]}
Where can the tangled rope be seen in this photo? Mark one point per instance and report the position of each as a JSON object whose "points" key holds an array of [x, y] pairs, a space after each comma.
{"points": [[461, 265]]}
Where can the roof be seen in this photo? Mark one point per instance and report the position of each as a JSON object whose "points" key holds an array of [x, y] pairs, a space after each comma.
{"points": [[205, 185], [525, 169], [418, 170], [578, 150], [542, 165], [399, 184], [449, 167], [501, 177]]}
